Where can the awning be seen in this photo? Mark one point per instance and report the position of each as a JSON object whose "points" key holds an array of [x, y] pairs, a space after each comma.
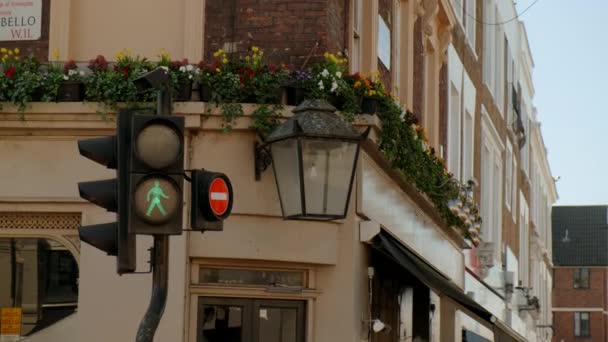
{"points": [[392, 248]]}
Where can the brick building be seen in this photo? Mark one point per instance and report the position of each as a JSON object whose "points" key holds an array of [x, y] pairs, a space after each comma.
{"points": [[580, 274], [392, 258]]}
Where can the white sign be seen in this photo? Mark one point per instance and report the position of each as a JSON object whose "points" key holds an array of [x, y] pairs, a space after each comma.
{"points": [[384, 43], [20, 19]]}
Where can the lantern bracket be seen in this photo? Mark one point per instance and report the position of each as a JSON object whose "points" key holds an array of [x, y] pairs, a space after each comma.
{"points": [[263, 159]]}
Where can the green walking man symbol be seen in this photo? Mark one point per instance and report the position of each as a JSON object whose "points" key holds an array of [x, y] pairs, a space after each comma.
{"points": [[156, 193]]}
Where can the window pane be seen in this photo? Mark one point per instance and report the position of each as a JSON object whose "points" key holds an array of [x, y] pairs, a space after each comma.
{"points": [[277, 324], [250, 277], [39, 276], [222, 323]]}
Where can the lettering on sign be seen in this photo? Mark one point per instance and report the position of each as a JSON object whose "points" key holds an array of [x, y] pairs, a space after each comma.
{"points": [[20, 20]]}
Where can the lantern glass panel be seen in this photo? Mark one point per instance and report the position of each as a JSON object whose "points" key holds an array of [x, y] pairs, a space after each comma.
{"points": [[328, 169], [287, 172]]}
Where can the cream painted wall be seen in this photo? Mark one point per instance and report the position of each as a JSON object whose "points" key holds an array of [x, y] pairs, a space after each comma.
{"points": [[145, 26], [109, 306]]}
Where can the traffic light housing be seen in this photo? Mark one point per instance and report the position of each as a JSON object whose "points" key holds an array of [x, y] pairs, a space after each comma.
{"points": [[211, 201], [157, 174], [111, 194]]}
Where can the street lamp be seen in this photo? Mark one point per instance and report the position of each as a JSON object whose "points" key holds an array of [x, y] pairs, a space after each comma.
{"points": [[314, 157]]}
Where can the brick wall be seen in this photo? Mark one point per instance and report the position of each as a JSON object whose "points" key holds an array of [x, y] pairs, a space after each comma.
{"points": [[38, 48], [563, 322], [286, 30], [566, 296]]}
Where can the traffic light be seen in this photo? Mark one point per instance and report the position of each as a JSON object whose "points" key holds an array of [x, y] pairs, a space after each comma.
{"points": [[211, 200], [111, 194], [157, 174]]}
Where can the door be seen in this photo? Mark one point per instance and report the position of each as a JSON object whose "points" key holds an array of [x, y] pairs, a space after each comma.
{"points": [[250, 320]]}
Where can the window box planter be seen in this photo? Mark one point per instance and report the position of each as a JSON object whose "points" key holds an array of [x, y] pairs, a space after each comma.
{"points": [[184, 92], [369, 105], [295, 95], [205, 92], [70, 92]]}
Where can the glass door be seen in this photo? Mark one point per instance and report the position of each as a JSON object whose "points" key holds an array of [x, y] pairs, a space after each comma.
{"points": [[250, 320]]}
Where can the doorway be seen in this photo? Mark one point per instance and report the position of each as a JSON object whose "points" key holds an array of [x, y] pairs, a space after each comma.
{"points": [[250, 320]]}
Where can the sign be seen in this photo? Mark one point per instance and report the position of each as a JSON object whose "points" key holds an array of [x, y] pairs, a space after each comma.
{"points": [[384, 43], [219, 196], [10, 324], [20, 20], [157, 200]]}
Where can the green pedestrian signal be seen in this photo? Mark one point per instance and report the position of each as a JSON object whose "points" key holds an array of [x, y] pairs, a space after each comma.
{"points": [[156, 193], [157, 174]]}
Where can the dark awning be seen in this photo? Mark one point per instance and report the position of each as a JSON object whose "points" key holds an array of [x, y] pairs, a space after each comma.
{"points": [[386, 244]]}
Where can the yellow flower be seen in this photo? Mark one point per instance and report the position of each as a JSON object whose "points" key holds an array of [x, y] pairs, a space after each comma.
{"points": [[339, 54], [326, 55], [217, 70], [56, 54], [247, 58], [255, 49], [216, 54], [357, 84], [225, 60], [261, 53], [10, 53], [16, 51], [3, 50], [16, 58]]}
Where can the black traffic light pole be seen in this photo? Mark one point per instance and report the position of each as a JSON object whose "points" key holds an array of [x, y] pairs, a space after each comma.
{"points": [[160, 259]]}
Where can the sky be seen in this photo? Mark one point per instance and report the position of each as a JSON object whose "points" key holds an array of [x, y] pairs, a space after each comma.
{"points": [[570, 50]]}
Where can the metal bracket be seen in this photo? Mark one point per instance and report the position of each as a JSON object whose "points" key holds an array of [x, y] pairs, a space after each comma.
{"points": [[263, 159], [150, 262]]}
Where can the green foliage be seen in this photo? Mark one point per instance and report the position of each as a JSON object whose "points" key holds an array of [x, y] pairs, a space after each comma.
{"points": [[266, 119], [403, 143]]}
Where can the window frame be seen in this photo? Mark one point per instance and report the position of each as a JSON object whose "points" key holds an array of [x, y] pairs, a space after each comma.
{"points": [[579, 281], [579, 319]]}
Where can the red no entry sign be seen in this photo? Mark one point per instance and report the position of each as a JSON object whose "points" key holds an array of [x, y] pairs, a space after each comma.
{"points": [[219, 196]]}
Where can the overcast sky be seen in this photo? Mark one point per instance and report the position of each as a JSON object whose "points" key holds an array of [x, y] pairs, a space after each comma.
{"points": [[570, 50]]}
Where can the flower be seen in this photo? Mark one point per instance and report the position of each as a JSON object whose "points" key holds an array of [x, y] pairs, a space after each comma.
{"points": [[334, 86], [10, 72], [255, 49], [338, 74], [324, 73], [357, 84], [321, 86], [2, 50], [56, 54], [17, 51], [225, 61]]}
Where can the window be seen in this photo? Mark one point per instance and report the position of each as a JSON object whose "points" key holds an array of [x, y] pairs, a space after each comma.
{"points": [[489, 43], [514, 190], [454, 132], [524, 241], [581, 278], [508, 174], [355, 58], [458, 6], [582, 324], [39, 276], [471, 21], [491, 183], [250, 320]]}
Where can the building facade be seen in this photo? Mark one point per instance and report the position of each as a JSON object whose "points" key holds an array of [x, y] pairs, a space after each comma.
{"points": [[467, 79], [580, 290]]}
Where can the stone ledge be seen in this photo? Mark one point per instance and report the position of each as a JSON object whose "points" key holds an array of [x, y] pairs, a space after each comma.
{"points": [[89, 118]]}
